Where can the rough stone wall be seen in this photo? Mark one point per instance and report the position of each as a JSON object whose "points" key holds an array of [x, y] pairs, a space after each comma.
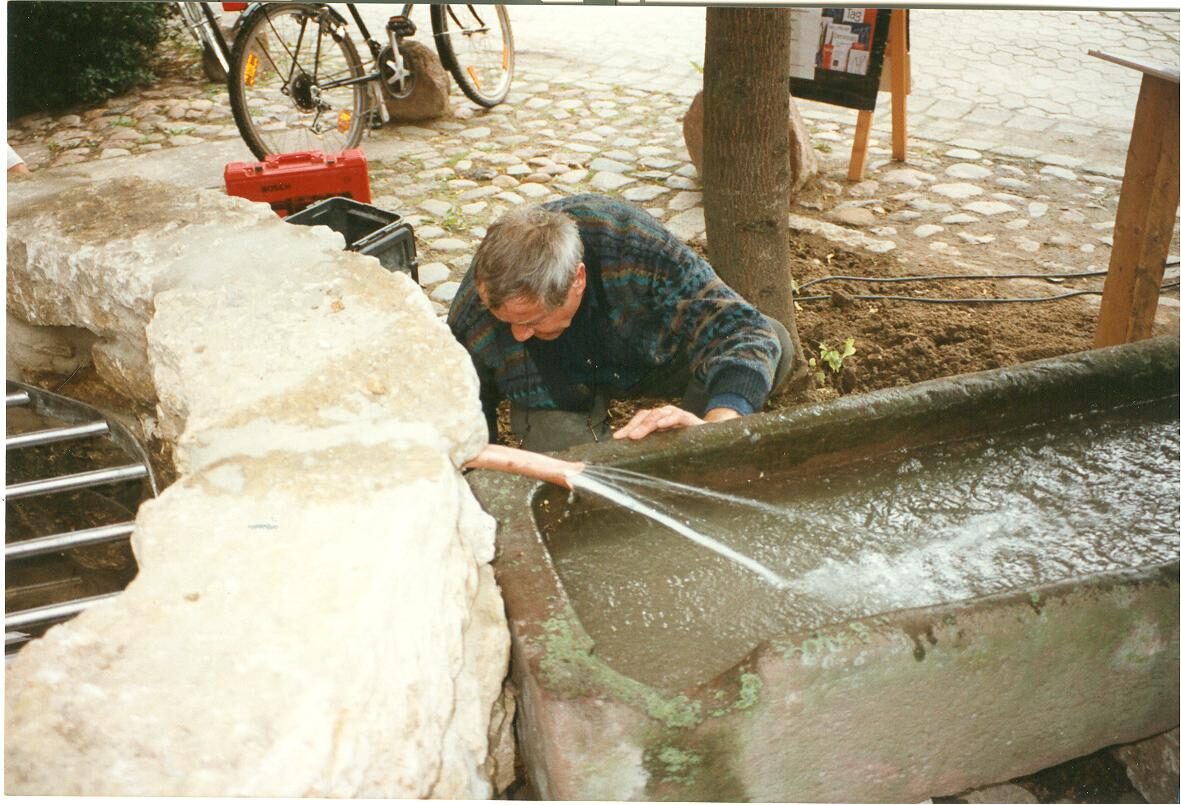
{"points": [[314, 613]]}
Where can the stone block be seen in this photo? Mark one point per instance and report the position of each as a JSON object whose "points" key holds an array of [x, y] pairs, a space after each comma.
{"points": [[335, 342], [305, 623], [803, 160], [431, 96], [55, 350], [314, 614], [1152, 766], [94, 255]]}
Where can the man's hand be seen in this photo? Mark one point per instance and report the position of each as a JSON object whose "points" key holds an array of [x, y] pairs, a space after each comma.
{"points": [[668, 417]]}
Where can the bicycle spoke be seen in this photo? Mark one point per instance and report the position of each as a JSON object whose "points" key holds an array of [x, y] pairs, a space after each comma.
{"points": [[298, 85], [481, 49]]}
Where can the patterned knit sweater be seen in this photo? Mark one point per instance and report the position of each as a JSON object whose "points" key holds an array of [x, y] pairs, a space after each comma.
{"points": [[650, 300]]}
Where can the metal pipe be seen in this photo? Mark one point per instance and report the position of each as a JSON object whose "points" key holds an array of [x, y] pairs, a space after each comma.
{"points": [[67, 540], [15, 639], [14, 398], [51, 435], [73, 412], [523, 462], [81, 480], [53, 612]]}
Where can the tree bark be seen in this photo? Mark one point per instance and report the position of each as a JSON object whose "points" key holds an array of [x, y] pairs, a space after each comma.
{"points": [[804, 164], [746, 174]]}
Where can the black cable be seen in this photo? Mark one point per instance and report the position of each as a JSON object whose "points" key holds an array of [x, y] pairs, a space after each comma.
{"points": [[966, 300], [952, 277], [1067, 275]]}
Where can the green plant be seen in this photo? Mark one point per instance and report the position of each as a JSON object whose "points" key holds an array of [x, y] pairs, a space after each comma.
{"points": [[65, 53], [834, 359], [822, 147], [454, 220]]}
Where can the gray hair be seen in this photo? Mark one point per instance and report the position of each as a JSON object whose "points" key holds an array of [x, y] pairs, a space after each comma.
{"points": [[529, 252]]}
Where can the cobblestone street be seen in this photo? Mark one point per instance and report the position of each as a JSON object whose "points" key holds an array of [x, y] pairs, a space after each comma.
{"points": [[1015, 158]]}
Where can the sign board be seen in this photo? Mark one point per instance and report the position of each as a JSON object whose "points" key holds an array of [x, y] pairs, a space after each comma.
{"points": [[841, 51]]}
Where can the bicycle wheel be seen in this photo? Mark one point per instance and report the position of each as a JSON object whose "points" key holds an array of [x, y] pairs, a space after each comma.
{"points": [[476, 44], [292, 81]]}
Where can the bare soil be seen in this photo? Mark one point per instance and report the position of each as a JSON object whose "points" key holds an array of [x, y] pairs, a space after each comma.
{"points": [[902, 342]]}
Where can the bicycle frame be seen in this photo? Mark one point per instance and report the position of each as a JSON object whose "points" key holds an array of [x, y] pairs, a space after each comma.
{"points": [[202, 23], [296, 70]]}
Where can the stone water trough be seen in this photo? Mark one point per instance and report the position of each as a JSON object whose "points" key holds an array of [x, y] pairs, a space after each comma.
{"points": [[983, 582]]}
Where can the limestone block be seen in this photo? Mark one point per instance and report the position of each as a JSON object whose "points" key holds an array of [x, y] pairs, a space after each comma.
{"points": [[320, 623], [243, 310], [803, 160], [431, 96], [314, 613], [95, 255], [1152, 766], [57, 350], [308, 349]]}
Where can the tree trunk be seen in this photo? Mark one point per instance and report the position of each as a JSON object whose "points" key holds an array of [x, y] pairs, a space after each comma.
{"points": [[804, 164], [747, 176]]}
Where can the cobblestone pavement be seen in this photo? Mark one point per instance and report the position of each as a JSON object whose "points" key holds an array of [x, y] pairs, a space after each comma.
{"points": [[1014, 161], [995, 76]]}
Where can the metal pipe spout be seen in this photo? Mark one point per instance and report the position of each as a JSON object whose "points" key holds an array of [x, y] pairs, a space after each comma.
{"points": [[523, 462]]}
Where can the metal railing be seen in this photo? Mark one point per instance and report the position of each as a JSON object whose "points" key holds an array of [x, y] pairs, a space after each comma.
{"points": [[72, 421]]}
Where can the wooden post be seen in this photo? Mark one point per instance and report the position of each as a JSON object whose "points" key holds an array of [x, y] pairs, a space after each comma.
{"points": [[899, 51], [860, 146], [1145, 216]]}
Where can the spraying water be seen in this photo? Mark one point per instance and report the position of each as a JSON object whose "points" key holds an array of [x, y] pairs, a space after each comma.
{"points": [[1087, 494], [585, 480], [605, 482]]}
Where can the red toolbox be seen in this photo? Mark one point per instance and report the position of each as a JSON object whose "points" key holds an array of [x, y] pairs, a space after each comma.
{"points": [[290, 182]]}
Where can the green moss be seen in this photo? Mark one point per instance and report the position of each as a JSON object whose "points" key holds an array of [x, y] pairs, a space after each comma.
{"points": [[677, 765], [748, 693], [822, 645], [570, 667]]}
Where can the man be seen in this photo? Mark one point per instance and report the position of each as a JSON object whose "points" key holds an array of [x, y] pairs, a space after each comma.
{"points": [[585, 299]]}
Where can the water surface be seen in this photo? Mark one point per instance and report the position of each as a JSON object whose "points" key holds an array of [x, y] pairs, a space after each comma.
{"points": [[1085, 494]]}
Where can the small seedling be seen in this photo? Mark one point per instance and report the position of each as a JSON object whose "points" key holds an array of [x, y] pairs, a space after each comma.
{"points": [[454, 220], [834, 359]]}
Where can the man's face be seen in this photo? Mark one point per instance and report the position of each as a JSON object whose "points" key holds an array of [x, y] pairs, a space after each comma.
{"points": [[528, 318]]}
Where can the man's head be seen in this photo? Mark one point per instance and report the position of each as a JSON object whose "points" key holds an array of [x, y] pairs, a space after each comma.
{"points": [[529, 272]]}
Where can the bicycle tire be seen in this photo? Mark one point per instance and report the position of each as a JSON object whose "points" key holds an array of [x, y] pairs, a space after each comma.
{"points": [[477, 49], [279, 105]]}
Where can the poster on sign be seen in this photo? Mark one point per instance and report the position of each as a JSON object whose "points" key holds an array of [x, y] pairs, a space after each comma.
{"points": [[848, 46]]}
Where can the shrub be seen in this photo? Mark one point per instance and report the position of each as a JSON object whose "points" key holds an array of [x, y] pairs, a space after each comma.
{"points": [[65, 53]]}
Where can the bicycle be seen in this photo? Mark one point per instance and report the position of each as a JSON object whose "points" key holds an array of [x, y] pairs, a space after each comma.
{"points": [[296, 82], [204, 25]]}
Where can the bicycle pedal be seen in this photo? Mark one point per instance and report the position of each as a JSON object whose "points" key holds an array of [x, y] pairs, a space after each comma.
{"points": [[401, 25]]}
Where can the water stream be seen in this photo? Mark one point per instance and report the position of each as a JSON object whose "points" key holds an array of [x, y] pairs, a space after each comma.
{"points": [[604, 488], [1085, 494]]}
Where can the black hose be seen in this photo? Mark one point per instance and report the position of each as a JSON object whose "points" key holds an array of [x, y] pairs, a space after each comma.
{"points": [[966, 300], [953, 301], [804, 285]]}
